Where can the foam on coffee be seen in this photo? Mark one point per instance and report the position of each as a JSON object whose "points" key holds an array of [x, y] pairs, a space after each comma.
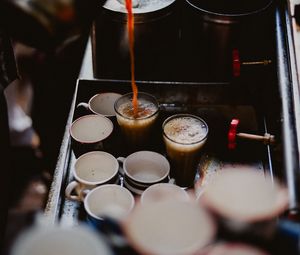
{"points": [[145, 109], [136, 129], [185, 130]]}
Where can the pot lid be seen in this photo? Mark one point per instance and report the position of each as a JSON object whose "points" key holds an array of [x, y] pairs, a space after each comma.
{"points": [[139, 6], [231, 7]]}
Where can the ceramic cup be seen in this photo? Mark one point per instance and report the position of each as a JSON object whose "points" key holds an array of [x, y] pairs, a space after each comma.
{"points": [[90, 133], [109, 200], [163, 191], [230, 248], [102, 103], [245, 201], [90, 170], [56, 240], [169, 228], [144, 168]]}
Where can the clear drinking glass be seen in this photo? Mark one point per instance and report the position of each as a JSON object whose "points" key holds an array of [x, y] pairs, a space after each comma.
{"points": [[184, 136], [136, 129]]}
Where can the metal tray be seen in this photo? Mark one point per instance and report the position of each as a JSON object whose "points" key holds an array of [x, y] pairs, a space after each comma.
{"points": [[216, 103]]}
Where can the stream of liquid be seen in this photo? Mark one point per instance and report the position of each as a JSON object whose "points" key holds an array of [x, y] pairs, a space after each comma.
{"points": [[130, 29]]}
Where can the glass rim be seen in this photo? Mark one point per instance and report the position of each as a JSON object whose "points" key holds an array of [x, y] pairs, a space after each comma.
{"points": [[184, 115], [139, 93]]}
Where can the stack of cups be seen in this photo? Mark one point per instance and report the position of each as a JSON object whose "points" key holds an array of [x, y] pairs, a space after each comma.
{"points": [[143, 169], [96, 184]]}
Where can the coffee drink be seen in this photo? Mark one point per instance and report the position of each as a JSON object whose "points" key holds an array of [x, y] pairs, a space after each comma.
{"points": [[184, 136], [136, 126]]}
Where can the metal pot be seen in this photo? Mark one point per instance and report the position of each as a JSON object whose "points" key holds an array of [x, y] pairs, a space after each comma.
{"points": [[156, 36], [213, 28]]}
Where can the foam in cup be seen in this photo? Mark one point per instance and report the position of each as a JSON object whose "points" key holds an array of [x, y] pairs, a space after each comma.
{"points": [[184, 136], [185, 130], [145, 109], [136, 128]]}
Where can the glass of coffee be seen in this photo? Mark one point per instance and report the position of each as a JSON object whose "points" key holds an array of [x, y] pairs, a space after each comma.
{"points": [[136, 126], [184, 136]]}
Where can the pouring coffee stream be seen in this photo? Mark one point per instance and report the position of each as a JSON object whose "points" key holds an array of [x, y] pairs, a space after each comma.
{"points": [[130, 30]]}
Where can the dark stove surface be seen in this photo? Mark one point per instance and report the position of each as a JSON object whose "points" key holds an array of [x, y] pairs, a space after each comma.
{"points": [[182, 45]]}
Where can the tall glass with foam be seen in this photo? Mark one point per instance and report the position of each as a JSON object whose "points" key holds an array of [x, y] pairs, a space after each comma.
{"points": [[184, 136], [137, 129]]}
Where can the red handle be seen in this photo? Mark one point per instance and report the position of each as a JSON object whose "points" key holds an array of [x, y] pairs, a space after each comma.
{"points": [[236, 63], [232, 134]]}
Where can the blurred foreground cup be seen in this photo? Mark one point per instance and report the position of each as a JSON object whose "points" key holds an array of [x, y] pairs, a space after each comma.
{"points": [[228, 248], [169, 228], [245, 201], [56, 240], [164, 191]]}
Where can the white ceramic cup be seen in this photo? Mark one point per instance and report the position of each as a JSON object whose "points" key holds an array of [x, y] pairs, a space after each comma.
{"points": [[245, 200], [163, 191], [102, 103], [109, 200], [169, 228], [90, 170], [228, 248], [56, 240], [89, 133], [144, 168]]}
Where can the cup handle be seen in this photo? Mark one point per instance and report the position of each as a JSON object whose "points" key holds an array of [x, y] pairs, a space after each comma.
{"points": [[82, 109], [121, 169], [84, 105], [171, 181], [69, 189]]}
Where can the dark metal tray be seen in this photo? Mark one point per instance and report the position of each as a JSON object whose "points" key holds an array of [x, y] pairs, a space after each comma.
{"points": [[216, 103]]}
